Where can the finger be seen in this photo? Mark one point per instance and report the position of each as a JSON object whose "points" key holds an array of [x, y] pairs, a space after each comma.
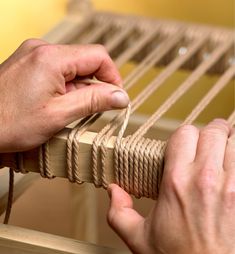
{"points": [[85, 60], [181, 148], [229, 160], [125, 221], [212, 143], [88, 100]]}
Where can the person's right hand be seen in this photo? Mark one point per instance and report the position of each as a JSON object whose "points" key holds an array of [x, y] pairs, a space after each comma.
{"points": [[39, 95], [195, 211]]}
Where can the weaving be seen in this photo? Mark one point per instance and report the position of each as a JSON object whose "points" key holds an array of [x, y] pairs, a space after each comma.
{"points": [[137, 160]]}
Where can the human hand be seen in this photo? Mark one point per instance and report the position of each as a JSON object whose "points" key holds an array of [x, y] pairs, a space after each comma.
{"points": [[39, 95], [196, 206]]}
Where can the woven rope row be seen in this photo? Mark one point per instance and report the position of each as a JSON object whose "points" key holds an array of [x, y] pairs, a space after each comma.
{"points": [[138, 162]]}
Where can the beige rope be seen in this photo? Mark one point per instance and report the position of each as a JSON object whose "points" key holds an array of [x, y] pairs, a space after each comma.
{"points": [[93, 36], [129, 162], [132, 50], [118, 38], [20, 164], [152, 59], [138, 161], [220, 84], [69, 158], [124, 57], [44, 161], [188, 83], [10, 196], [109, 129], [127, 55], [231, 118], [73, 147], [148, 64]]}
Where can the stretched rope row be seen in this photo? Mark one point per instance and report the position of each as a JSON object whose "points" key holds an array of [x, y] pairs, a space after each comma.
{"points": [[138, 161]]}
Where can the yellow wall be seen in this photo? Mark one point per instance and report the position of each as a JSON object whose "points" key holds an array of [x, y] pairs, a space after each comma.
{"points": [[218, 12], [21, 19]]}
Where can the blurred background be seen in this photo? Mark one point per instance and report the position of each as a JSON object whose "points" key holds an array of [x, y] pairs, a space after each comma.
{"points": [[22, 19], [40, 208]]}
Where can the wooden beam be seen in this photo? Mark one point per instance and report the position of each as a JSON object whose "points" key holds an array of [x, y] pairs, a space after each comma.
{"points": [[78, 17], [57, 147], [24, 241]]}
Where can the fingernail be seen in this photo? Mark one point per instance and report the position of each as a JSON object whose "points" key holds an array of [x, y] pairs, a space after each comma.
{"points": [[120, 99]]}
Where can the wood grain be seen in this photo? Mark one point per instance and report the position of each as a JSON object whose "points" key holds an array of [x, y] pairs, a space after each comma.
{"points": [[23, 241]]}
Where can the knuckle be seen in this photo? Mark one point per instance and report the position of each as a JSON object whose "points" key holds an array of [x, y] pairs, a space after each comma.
{"points": [[229, 196], [101, 48], [211, 131], [94, 105], [43, 52], [30, 43], [175, 182], [187, 129], [216, 127], [231, 140], [221, 121], [207, 180], [102, 52], [187, 132]]}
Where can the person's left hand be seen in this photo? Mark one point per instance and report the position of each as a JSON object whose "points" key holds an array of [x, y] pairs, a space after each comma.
{"points": [[194, 213]]}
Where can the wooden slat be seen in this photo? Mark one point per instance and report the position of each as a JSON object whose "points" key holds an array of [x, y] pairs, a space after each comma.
{"points": [[58, 152], [78, 18], [18, 240], [231, 118], [23, 241], [57, 156], [84, 212]]}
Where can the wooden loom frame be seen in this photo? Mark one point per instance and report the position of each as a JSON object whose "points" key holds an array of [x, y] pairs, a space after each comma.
{"points": [[10, 237]]}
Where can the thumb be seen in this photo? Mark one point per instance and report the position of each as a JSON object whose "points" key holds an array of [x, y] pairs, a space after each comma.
{"points": [[125, 221], [88, 100]]}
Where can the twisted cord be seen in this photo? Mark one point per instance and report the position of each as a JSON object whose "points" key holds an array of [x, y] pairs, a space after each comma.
{"points": [[138, 162], [75, 158], [124, 157], [70, 140], [221, 83], [44, 161], [104, 135], [152, 171], [188, 83], [144, 167], [231, 118], [10, 196]]}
